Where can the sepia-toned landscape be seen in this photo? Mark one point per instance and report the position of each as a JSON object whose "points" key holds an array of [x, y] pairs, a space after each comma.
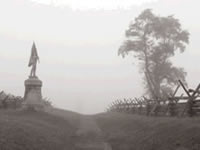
{"points": [[99, 75]]}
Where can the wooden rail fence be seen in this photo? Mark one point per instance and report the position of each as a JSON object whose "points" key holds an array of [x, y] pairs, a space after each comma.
{"points": [[187, 104]]}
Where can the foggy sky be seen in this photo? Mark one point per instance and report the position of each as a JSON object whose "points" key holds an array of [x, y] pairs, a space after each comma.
{"points": [[79, 65]]}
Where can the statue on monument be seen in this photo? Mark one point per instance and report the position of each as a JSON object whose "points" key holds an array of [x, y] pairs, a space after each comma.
{"points": [[34, 58], [33, 85]]}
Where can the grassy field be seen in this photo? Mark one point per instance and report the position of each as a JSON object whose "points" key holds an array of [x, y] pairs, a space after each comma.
{"points": [[130, 132], [57, 129], [23, 130]]}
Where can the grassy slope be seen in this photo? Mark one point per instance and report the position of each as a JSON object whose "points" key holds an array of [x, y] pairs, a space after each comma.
{"points": [[72, 117], [21, 130], [129, 132]]}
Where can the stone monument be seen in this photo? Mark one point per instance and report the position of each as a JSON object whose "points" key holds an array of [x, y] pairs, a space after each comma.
{"points": [[33, 85]]}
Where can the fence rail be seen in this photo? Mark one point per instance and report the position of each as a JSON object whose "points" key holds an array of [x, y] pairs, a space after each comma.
{"points": [[172, 105]]}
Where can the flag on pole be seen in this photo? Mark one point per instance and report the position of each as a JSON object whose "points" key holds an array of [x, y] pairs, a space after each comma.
{"points": [[34, 55]]}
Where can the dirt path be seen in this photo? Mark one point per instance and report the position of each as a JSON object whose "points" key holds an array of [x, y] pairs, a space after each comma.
{"points": [[89, 136]]}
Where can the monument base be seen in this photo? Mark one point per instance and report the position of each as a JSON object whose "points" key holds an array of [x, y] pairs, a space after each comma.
{"points": [[33, 94]]}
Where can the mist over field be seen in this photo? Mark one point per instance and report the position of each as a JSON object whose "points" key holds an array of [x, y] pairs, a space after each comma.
{"points": [[78, 47]]}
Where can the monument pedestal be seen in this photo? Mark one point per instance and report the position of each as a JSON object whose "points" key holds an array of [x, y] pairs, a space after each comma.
{"points": [[33, 94]]}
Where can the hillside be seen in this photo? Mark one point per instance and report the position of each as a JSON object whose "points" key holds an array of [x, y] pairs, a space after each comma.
{"points": [[66, 130], [130, 132], [22, 130], [88, 135], [54, 129]]}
